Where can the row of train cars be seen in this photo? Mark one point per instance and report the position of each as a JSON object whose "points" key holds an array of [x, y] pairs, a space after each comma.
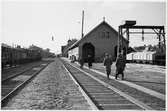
{"points": [[156, 57], [144, 57], [153, 57], [150, 57], [12, 56]]}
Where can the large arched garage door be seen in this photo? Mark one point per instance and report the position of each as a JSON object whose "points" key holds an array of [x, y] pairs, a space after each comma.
{"points": [[88, 49]]}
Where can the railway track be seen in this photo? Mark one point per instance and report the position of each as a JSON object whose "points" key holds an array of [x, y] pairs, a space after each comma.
{"points": [[15, 72], [7, 73], [106, 96], [11, 85]]}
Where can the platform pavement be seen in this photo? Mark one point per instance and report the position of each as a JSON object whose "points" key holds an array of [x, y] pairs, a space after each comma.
{"points": [[146, 78], [51, 89], [144, 72]]}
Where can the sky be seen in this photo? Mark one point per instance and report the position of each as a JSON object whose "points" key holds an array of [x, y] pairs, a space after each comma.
{"points": [[26, 22]]}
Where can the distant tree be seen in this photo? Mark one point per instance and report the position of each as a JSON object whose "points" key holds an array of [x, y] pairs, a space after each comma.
{"points": [[140, 48], [130, 49]]}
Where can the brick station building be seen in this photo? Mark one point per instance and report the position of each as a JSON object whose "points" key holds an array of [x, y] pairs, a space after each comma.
{"points": [[102, 39]]}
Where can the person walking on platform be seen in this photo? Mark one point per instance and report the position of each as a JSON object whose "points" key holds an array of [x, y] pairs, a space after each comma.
{"points": [[107, 63], [81, 61], [89, 61], [120, 66]]}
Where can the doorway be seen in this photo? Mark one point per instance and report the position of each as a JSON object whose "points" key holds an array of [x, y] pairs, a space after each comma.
{"points": [[88, 49]]}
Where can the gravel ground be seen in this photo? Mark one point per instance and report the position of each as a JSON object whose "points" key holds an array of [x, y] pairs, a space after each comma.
{"points": [[51, 89]]}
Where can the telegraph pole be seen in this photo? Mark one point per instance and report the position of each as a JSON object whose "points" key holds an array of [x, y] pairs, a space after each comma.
{"points": [[82, 24]]}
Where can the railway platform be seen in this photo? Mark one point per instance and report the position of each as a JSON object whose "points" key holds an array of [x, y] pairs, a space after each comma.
{"points": [[149, 76], [146, 75]]}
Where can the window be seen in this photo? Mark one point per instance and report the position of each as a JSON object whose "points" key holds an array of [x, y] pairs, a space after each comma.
{"points": [[103, 34], [107, 34], [99, 35]]}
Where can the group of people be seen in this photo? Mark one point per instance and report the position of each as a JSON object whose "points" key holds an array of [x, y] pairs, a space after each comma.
{"points": [[89, 59], [120, 64]]}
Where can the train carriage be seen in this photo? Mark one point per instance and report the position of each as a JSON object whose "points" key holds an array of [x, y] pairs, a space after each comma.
{"points": [[146, 57], [14, 56]]}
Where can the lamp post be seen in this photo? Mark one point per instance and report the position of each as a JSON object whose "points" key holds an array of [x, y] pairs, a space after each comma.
{"points": [[82, 24]]}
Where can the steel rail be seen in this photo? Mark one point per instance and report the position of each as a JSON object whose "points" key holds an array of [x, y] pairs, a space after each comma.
{"points": [[17, 74], [90, 102], [138, 87], [133, 85], [133, 100]]}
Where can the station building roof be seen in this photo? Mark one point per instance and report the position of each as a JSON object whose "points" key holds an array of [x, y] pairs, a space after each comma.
{"points": [[76, 44]]}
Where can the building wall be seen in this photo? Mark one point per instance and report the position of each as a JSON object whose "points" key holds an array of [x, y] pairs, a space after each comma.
{"points": [[73, 52], [64, 48], [104, 40]]}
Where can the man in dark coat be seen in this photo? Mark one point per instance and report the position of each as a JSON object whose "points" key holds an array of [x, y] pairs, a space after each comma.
{"points": [[107, 63], [120, 66], [81, 61], [89, 61]]}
